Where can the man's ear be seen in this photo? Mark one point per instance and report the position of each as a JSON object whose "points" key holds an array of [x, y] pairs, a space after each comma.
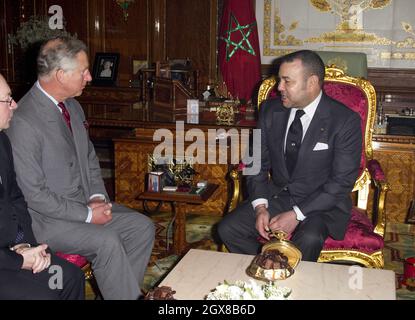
{"points": [[313, 81], [60, 76]]}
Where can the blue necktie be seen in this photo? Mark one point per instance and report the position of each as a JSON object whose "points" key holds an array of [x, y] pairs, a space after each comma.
{"points": [[20, 234]]}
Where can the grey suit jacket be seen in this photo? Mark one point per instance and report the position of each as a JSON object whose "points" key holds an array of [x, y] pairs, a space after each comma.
{"points": [[322, 179], [57, 171]]}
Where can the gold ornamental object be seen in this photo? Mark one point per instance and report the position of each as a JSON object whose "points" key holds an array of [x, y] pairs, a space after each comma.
{"points": [[286, 248], [225, 114]]}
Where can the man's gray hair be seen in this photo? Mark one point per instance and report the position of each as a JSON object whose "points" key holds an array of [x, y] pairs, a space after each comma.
{"points": [[58, 53]]}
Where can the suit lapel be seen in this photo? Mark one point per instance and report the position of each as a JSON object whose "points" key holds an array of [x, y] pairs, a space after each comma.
{"points": [[51, 113], [4, 162], [317, 131], [2, 182], [80, 142], [280, 121]]}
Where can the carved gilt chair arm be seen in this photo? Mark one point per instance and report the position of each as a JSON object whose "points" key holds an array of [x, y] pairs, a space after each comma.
{"points": [[381, 189], [236, 184]]}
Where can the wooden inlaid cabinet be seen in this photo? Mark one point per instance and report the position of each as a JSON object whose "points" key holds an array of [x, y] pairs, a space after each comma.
{"points": [[396, 155], [131, 166]]}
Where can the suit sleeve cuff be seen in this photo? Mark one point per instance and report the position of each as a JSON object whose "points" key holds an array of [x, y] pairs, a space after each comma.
{"points": [[89, 218], [299, 214], [258, 202]]}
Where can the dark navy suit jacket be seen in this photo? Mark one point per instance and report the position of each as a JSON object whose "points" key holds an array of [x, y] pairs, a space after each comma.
{"points": [[322, 179], [13, 210]]}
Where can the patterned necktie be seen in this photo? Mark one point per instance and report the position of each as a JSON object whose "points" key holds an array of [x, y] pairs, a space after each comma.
{"points": [[294, 137], [19, 235], [65, 114]]}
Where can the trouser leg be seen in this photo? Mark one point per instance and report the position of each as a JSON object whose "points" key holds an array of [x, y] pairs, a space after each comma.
{"points": [[61, 281], [237, 230], [310, 236], [118, 251]]}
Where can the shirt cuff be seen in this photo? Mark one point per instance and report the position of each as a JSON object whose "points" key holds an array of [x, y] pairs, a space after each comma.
{"points": [[258, 202], [89, 218], [98, 195], [299, 214]]}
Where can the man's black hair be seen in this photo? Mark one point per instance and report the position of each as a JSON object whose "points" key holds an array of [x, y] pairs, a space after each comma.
{"points": [[311, 62]]}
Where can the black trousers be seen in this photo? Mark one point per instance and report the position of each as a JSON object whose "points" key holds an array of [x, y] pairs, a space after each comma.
{"points": [[237, 230], [24, 285]]}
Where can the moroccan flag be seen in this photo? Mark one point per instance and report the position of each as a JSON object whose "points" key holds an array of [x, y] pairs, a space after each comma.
{"points": [[239, 56]]}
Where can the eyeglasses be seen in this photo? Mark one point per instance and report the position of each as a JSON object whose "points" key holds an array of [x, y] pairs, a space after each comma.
{"points": [[9, 102]]}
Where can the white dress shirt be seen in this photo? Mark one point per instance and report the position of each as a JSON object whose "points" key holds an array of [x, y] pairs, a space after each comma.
{"points": [[309, 110]]}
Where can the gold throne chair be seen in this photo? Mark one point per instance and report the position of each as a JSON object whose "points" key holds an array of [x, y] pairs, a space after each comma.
{"points": [[364, 239]]}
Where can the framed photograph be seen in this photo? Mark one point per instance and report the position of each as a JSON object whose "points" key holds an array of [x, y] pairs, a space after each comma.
{"points": [[105, 69], [137, 65], [155, 181]]}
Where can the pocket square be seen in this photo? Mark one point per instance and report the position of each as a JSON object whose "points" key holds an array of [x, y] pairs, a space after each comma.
{"points": [[321, 146]]}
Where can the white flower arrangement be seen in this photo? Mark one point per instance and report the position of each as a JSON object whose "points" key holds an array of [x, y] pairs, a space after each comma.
{"points": [[241, 290]]}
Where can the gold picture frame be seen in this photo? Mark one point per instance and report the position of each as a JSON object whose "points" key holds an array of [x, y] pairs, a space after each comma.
{"points": [[137, 64]]}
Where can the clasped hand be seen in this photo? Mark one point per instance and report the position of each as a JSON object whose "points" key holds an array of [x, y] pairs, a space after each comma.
{"points": [[101, 211], [286, 221], [36, 258]]}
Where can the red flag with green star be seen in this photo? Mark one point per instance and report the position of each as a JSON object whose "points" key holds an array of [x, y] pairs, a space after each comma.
{"points": [[239, 56]]}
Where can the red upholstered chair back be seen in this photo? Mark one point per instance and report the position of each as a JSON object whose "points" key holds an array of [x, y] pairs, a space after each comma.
{"points": [[354, 98], [359, 95]]}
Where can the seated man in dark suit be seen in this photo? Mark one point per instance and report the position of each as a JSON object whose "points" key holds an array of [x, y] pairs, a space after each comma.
{"points": [[312, 145], [27, 270]]}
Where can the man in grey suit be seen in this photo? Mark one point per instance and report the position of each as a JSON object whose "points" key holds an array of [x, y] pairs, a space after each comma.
{"points": [[59, 174], [312, 146]]}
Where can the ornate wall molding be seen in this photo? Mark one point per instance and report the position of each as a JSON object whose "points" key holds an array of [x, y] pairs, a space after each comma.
{"points": [[383, 29]]}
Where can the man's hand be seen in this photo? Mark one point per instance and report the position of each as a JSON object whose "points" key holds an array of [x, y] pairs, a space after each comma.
{"points": [[262, 221], [286, 221], [101, 212], [36, 259]]}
